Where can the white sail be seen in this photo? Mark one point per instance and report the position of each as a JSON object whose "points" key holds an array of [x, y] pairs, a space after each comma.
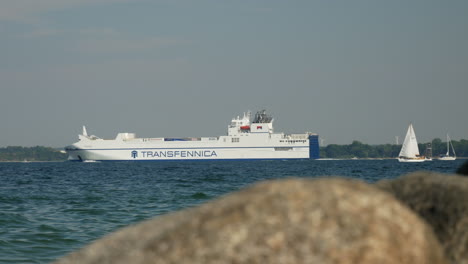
{"points": [[453, 150], [410, 145]]}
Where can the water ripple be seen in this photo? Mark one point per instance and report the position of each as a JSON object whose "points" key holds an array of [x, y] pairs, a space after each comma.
{"points": [[50, 209]]}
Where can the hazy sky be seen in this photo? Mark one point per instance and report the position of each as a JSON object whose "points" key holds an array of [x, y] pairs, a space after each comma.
{"points": [[348, 70]]}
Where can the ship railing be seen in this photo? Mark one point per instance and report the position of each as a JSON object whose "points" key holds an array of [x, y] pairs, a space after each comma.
{"points": [[297, 136]]}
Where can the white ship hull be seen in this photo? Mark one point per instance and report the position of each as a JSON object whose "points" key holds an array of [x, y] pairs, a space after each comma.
{"points": [[150, 154], [258, 142]]}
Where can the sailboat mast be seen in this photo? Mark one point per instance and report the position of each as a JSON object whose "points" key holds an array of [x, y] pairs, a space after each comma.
{"points": [[453, 149], [448, 146]]}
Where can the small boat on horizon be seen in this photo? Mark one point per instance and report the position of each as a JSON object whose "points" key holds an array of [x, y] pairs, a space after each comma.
{"points": [[447, 155], [409, 150]]}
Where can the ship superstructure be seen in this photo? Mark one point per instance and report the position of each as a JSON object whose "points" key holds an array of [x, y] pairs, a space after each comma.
{"points": [[245, 139]]}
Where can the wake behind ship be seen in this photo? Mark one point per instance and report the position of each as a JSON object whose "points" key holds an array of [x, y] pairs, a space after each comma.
{"points": [[245, 140]]}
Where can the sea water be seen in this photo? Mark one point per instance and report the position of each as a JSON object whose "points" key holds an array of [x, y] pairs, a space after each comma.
{"points": [[50, 209]]}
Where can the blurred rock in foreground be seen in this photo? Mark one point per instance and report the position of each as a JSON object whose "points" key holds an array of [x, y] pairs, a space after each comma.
{"points": [[441, 200], [463, 170], [327, 220]]}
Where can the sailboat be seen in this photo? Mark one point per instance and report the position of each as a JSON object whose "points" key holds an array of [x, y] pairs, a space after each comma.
{"points": [[409, 150], [447, 155]]}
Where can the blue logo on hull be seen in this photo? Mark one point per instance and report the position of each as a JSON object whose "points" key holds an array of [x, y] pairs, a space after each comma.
{"points": [[178, 154]]}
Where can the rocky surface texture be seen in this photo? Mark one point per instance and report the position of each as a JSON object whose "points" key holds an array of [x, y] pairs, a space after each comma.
{"points": [[326, 220], [442, 201], [463, 170]]}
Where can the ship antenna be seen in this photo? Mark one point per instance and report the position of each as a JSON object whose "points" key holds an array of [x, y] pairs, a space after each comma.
{"points": [[85, 133]]}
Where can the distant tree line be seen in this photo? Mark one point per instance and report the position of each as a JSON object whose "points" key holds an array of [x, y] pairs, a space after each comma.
{"points": [[38, 153], [360, 150]]}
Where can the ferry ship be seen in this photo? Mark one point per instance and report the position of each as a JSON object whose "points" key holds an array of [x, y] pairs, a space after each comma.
{"points": [[245, 140]]}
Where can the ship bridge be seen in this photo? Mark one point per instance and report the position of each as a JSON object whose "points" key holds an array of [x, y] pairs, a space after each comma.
{"points": [[262, 123]]}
